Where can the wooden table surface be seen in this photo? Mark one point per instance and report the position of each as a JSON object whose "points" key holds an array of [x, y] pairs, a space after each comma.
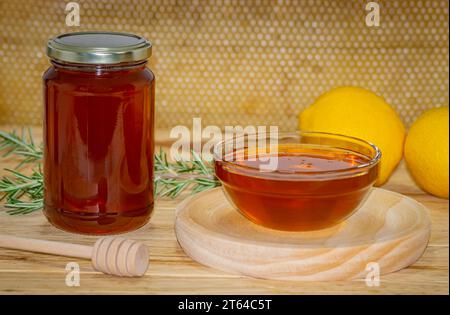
{"points": [[172, 272]]}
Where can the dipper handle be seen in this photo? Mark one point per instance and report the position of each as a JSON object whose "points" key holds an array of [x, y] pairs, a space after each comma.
{"points": [[112, 255]]}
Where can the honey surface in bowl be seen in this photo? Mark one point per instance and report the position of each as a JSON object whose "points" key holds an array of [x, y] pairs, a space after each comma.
{"points": [[311, 188]]}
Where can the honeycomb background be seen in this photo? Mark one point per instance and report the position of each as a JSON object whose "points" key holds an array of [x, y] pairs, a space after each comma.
{"points": [[243, 62]]}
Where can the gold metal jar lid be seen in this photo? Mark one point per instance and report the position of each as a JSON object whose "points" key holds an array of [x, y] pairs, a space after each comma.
{"points": [[99, 48]]}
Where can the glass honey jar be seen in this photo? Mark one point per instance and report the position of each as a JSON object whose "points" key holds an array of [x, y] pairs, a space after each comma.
{"points": [[98, 132]]}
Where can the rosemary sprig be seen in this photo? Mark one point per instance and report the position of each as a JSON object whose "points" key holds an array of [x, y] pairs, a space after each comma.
{"points": [[173, 178], [24, 193], [21, 146]]}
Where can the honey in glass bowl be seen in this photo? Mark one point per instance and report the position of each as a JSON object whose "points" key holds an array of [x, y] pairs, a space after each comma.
{"points": [[319, 180]]}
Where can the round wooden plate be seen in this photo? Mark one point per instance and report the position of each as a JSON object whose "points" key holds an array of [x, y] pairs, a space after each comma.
{"points": [[389, 229]]}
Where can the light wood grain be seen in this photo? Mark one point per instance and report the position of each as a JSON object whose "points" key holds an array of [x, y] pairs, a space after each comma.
{"points": [[171, 271], [389, 229]]}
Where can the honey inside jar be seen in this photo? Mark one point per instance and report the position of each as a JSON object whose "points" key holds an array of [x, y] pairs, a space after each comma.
{"points": [[312, 187], [99, 103]]}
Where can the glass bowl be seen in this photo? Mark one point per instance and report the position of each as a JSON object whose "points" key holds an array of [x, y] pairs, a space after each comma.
{"points": [[297, 181]]}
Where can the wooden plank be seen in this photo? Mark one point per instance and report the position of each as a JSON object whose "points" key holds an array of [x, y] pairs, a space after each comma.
{"points": [[172, 272]]}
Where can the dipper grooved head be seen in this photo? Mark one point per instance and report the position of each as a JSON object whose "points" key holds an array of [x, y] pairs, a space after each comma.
{"points": [[120, 256]]}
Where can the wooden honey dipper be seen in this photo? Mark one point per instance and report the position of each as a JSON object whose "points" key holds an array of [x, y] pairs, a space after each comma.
{"points": [[112, 255]]}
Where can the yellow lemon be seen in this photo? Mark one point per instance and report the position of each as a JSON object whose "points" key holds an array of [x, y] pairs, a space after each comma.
{"points": [[360, 113], [426, 151]]}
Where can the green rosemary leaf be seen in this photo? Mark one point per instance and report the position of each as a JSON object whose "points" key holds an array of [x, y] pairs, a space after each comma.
{"points": [[30, 136], [196, 175], [21, 207], [21, 146]]}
